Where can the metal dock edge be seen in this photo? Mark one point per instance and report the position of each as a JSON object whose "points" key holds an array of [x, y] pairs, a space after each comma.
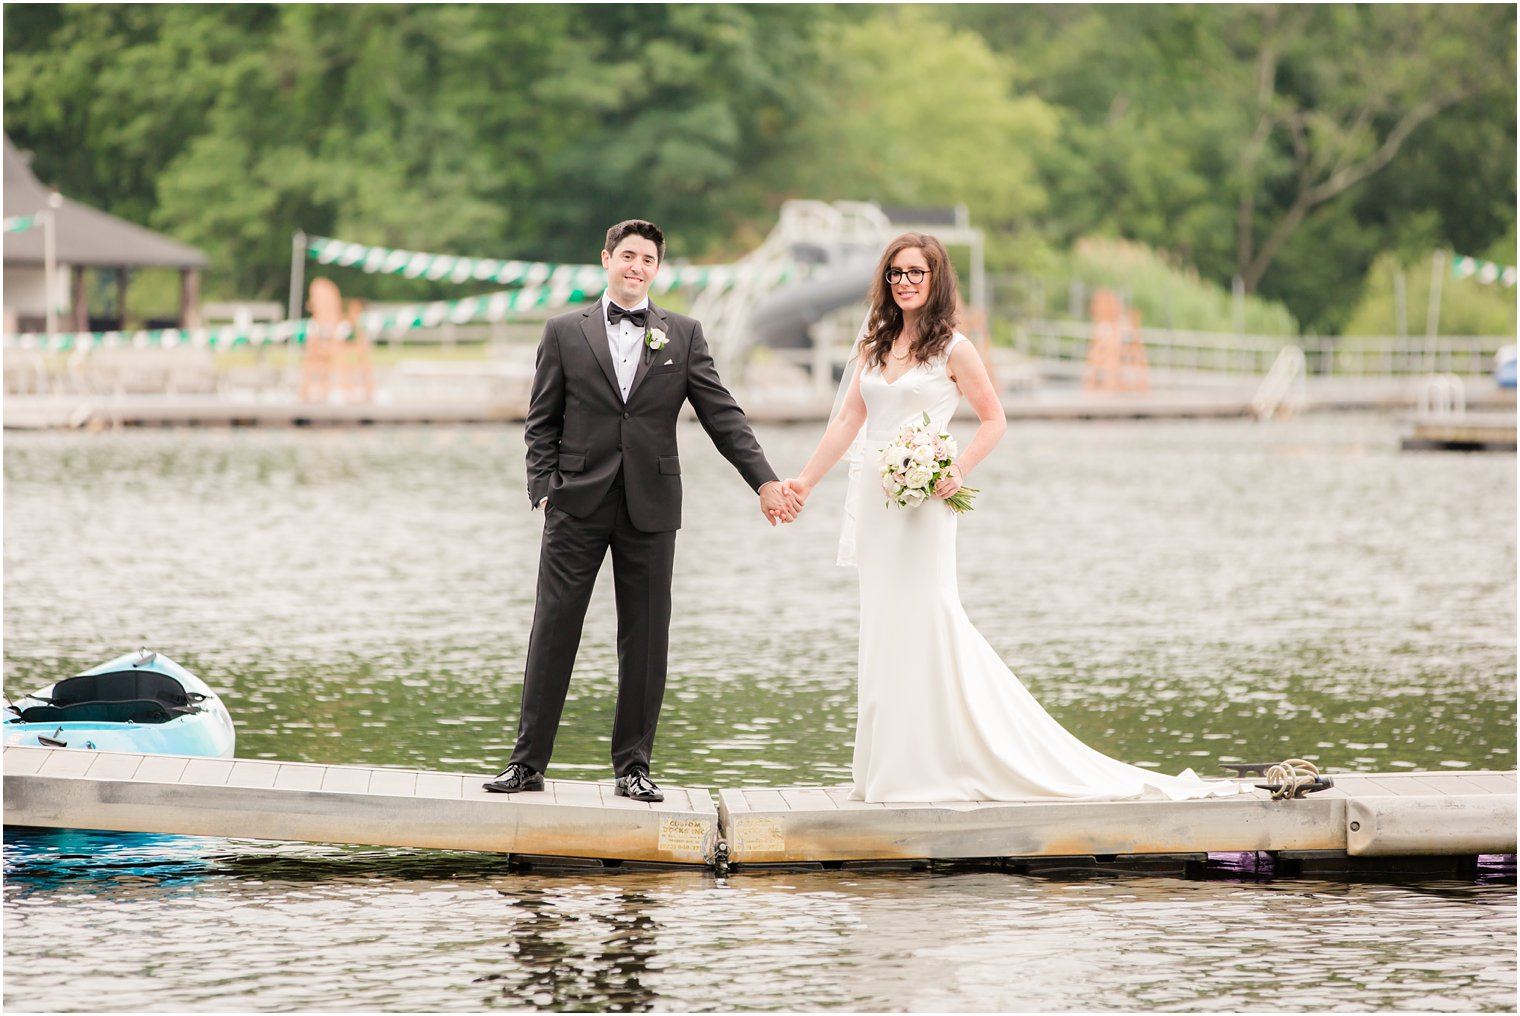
{"points": [[256, 799], [823, 826], [1362, 816]]}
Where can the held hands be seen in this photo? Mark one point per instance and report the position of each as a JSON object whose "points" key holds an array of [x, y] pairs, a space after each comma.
{"points": [[779, 502]]}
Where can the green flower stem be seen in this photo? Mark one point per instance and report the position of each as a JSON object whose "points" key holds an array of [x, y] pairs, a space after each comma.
{"points": [[960, 501]]}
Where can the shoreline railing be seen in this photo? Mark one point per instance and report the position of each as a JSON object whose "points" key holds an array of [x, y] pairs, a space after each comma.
{"points": [[1224, 353]]}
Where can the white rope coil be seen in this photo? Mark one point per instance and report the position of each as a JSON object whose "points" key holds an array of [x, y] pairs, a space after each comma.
{"points": [[1289, 775]]}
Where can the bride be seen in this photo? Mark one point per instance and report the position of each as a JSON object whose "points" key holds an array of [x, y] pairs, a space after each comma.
{"points": [[940, 717]]}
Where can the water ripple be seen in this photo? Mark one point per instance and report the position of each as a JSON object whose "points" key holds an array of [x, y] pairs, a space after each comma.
{"points": [[1176, 594]]}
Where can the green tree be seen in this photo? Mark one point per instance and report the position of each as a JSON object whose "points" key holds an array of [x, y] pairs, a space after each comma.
{"points": [[1329, 115], [1234, 137], [920, 113], [1289, 146], [677, 113], [513, 130], [355, 122], [106, 95]]}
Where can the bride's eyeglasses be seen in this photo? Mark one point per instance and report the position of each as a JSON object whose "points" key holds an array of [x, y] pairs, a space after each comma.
{"points": [[913, 275]]}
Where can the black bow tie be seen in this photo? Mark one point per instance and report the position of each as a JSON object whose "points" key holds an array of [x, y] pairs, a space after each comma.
{"points": [[616, 314]]}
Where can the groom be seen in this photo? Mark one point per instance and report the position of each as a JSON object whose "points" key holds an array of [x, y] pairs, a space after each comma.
{"points": [[603, 467]]}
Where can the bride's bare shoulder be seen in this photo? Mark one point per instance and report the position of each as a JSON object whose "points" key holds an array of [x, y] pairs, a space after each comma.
{"points": [[962, 353]]}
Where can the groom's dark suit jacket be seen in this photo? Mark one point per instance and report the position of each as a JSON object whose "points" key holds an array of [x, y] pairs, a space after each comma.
{"points": [[580, 432]]}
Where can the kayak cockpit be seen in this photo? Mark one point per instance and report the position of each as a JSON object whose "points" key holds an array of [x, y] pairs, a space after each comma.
{"points": [[128, 696], [142, 703]]}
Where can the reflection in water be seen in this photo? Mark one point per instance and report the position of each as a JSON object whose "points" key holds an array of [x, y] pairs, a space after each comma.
{"points": [[567, 958], [1175, 593], [42, 860], [288, 926]]}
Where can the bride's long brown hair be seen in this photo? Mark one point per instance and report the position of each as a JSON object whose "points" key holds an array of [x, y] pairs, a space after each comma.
{"points": [[936, 321]]}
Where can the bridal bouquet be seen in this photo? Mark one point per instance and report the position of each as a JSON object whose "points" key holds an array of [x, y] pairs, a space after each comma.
{"points": [[915, 461]]}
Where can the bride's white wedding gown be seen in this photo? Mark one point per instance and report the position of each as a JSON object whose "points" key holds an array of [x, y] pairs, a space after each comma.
{"points": [[941, 718]]}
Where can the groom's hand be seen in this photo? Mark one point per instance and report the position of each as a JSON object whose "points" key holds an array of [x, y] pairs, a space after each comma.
{"points": [[776, 502]]}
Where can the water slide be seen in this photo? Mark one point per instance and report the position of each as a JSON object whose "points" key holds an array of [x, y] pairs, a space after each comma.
{"points": [[841, 275], [839, 241]]}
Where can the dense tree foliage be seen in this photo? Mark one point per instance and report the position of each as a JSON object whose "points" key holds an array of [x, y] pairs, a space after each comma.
{"points": [[1292, 147], [1285, 145]]}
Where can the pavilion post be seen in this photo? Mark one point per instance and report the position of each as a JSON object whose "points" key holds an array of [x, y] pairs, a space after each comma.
{"points": [[79, 311], [121, 298], [50, 261], [297, 273], [190, 298]]}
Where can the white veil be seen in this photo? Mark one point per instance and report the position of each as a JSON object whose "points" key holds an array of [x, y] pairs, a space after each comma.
{"points": [[854, 456]]}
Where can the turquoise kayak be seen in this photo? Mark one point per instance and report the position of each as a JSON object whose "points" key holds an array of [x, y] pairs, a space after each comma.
{"points": [[141, 702]]}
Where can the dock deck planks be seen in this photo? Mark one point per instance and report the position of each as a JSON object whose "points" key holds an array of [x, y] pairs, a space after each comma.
{"points": [[1370, 815]]}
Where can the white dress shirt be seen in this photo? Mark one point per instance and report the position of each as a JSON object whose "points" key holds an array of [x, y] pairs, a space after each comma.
{"points": [[626, 340]]}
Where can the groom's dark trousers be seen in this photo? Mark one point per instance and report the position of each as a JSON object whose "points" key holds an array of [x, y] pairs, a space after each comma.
{"points": [[611, 472]]}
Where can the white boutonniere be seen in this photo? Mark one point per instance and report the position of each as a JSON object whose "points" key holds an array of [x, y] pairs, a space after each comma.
{"points": [[656, 338]]}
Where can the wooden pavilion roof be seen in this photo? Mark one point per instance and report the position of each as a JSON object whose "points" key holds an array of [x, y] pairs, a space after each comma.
{"points": [[85, 236]]}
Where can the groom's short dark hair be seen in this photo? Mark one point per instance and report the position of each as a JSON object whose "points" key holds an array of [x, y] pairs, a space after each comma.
{"points": [[636, 227]]}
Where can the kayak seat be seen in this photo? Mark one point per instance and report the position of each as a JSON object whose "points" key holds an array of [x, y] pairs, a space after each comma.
{"points": [[121, 686], [134, 711]]}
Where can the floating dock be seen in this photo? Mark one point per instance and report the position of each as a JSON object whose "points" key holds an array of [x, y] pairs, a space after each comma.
{"points": [[1360, 816], [66, 788], [59, 413], [464, 403], [1469, 432], [1438, 814]]}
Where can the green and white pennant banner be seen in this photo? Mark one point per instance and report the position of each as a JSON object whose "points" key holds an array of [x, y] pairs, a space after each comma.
{"points": [[1486, 272], [539, 285], [21, 223], [490, 307], [591, 278]]}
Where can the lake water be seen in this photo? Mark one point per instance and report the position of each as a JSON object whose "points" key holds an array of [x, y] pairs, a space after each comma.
{"points": [[1177, 594]]}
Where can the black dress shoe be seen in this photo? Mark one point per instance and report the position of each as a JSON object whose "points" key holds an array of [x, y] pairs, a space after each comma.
{"points": [[637, 786], [515, 779]]}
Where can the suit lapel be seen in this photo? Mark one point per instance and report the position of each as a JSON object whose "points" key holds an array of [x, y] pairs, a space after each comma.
{"points": [[656, 320], [594, 328]]}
